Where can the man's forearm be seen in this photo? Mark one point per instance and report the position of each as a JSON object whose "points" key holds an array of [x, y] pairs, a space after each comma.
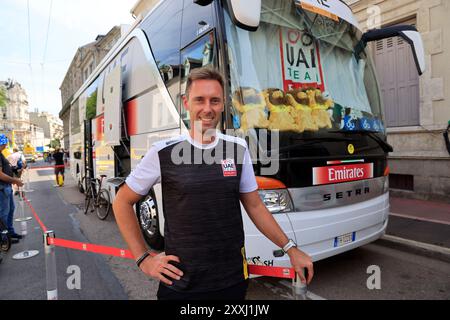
{"points": [[6, 178], [129, 228]]}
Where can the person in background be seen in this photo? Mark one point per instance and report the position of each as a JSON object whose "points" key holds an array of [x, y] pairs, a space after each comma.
{"points": [[18, 163], [7, 179], [59, 165]]}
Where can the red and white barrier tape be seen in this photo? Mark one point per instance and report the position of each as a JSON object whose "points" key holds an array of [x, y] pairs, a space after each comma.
{"points": [[88, 247], [277, 272], [41, 224]]}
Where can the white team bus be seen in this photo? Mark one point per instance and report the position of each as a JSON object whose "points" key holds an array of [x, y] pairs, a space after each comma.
{"points": [[297, 68]]}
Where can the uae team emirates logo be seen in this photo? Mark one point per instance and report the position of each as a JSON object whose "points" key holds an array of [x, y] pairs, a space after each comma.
{"points": [[229, 168], [336, 174]]}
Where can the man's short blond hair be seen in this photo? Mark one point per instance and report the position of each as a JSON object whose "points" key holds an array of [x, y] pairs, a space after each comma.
{"points": [[205, 73]]}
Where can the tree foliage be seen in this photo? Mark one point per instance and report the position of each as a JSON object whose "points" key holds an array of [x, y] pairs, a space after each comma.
{"points": [[55, 143], [91, 106]]}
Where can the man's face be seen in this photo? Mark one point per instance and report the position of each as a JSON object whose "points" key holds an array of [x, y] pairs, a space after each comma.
{"points": [[205, 104], [2, 147]]}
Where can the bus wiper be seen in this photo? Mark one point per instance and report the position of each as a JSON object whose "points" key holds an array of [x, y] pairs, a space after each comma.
{"points": [[372, 134]]}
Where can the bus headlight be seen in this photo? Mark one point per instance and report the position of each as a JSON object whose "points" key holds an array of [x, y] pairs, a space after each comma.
{"points": [[277, 201]]}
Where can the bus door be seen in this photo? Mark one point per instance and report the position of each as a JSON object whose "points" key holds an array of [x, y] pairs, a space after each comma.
{"points": [[88, 151], [111, 128]]}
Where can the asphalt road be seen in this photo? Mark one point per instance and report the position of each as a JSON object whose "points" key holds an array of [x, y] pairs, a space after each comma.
{"points": [[404, 275], [26, 279]]}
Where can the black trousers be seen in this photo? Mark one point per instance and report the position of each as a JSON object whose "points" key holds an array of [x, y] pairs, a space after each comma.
{"points": [[236, 292]]}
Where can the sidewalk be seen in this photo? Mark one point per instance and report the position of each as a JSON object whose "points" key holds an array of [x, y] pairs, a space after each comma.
{"points": [[437, 212], [26, 279], [419, 225]]}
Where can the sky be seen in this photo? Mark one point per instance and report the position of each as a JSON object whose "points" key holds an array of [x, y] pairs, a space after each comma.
{"points": [[37, 51]]}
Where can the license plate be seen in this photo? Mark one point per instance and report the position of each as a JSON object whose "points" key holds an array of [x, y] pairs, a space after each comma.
{"points": [[344, 239]]}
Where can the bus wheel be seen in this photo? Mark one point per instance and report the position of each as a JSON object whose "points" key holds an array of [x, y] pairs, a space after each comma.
{"points": [[147, 214]]}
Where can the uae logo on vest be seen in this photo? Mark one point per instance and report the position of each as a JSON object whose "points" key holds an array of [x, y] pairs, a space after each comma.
{"points": [[229, 168]]}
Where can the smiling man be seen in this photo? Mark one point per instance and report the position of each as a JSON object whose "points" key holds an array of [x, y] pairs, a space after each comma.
{"points": [[204, 254]]}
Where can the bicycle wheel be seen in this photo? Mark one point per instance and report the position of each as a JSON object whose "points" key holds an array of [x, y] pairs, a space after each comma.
{"points": [[103, 205], [5, 239], [87, 199]]}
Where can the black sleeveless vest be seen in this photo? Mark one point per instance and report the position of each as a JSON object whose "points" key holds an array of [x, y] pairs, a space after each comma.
{"points": [[203, 223]]}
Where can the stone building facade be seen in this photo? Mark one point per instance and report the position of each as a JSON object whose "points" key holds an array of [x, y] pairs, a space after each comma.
{"points": [[142, 7], [420, 163], [51, 125], [15, 116]]}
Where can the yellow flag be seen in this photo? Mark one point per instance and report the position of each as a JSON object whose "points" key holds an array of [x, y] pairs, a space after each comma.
{"points": [[13, 139]]}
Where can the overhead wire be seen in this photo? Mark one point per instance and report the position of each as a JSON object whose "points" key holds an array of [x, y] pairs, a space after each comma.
{"points": [[44, 58], [48, 32], [29, 33], [29, 50]]}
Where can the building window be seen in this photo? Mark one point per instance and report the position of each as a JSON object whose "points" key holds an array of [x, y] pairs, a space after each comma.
{"points": [[399, 81], [401, 181]]}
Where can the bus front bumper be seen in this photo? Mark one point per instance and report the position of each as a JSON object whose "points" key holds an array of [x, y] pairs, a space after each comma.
{"points": [[321, 233]]}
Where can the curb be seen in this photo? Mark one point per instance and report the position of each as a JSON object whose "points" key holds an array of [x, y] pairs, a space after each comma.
{"points": [[420, 248]]}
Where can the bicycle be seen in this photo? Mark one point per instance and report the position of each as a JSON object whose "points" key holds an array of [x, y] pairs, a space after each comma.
{"points": [[5, 240], [97, 198]]}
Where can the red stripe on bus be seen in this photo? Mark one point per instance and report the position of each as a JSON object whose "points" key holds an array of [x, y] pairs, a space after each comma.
{"points": [[131, 112]]}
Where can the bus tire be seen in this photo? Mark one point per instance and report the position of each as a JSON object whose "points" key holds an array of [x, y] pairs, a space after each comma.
{"points": [[82, 184], [147, 214]]}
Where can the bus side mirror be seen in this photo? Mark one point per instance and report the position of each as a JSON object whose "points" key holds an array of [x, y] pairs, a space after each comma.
{"points": [[203, 3], [245, 14], [408, 33]]}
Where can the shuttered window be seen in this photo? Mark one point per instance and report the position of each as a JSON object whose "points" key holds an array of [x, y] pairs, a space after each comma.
{"points": [[399, 81]]}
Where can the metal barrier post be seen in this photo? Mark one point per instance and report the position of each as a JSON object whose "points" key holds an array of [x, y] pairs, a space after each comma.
{"points": [[27, 253], [299, 289], [21, 209], [50, 267], [27, 180]]}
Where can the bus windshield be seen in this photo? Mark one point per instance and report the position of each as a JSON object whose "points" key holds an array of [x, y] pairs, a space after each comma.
{"points": [[298, 72]]}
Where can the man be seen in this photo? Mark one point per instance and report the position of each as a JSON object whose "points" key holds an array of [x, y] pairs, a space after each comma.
{"points": [[59, 165], [17, 162], [6, 193], [204, 254]]}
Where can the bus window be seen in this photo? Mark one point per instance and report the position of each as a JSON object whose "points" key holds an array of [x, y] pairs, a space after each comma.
{"points": [[161, 28], [75, 118], [196, 21], [200, 54], [298, 73], [91, 102]]}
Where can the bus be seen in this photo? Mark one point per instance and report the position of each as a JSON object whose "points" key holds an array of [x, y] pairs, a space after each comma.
{"points": [[300, 87]]}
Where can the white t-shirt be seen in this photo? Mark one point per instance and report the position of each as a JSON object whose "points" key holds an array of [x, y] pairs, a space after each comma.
{"points": [[14, 158]]}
